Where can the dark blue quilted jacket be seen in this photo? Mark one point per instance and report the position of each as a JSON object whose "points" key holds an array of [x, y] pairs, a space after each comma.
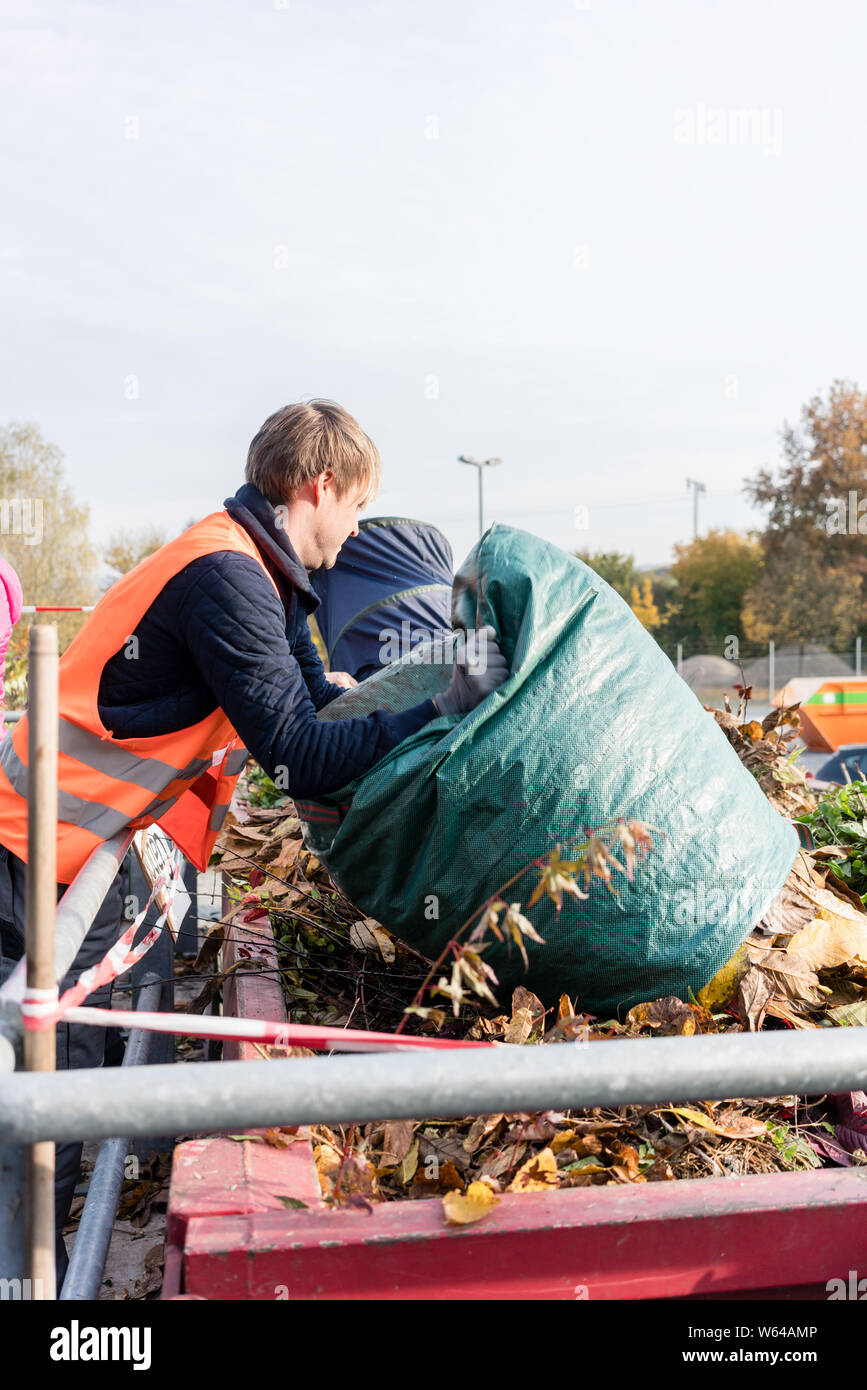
{"points": [[218, 635]]}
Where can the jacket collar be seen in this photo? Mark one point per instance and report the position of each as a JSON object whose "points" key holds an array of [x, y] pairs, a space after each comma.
{"points": [[258, 517]]}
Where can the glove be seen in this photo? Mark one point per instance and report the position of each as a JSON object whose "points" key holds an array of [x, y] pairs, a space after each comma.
{"points": [[478, 670]]}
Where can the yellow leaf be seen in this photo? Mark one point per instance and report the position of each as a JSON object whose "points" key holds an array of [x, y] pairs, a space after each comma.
{"points": [[406, 1171], [463, 1208], [562, 1140], [638, 1015], [730, 1126], [538, 1174], [723, 986]]}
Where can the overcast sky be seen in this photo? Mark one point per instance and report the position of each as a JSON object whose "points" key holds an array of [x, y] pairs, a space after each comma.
{"points": [[549, 232]]}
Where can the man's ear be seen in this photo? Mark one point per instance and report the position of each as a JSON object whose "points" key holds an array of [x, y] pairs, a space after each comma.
{"points": [[322, 483]]}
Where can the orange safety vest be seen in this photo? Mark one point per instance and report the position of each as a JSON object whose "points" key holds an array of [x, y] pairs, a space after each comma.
{"points": [[181, 781]]}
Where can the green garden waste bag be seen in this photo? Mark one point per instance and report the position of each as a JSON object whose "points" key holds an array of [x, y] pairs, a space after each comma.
{"points": [[593, 724]]}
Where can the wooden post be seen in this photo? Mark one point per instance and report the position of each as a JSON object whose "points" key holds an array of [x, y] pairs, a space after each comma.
{"points": [[39, 1047]]}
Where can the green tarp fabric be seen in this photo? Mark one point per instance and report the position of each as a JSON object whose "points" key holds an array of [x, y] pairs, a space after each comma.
{"points": [[593, 724]]}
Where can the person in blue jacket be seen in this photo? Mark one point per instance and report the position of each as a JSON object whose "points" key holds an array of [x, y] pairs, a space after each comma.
{"points": [[218, 635]]}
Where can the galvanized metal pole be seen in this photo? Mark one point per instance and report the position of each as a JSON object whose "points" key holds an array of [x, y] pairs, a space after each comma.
{"points": [[13, 1255], [222, 1096], [680, 658], [858, 656], [772, 671], [39, 1047], [87, 1261]]}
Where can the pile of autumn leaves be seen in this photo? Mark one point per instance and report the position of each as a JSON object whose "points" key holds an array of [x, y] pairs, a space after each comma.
{"points": [[804, 966]]}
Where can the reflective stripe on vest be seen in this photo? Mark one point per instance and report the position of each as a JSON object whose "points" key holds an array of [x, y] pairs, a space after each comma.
{"points": [[94, 816], [184, 779], [236, 761], [104, 756]]}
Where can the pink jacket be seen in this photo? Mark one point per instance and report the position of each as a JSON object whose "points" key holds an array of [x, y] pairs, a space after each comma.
{"points": [[11, 599]]}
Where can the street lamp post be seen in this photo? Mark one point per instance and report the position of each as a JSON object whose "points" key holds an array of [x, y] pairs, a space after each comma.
{"points": [[480, 464], [697, 487]]}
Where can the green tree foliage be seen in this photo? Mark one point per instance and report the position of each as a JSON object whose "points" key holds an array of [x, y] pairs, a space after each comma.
{"points": [[43, 531], [813, 585], [801, 598], [616, 569], [711, 576], [823, 461]]}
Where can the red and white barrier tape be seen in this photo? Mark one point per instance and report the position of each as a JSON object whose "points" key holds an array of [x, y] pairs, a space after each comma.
{"points": [[41, 1008], [262, 1031]]}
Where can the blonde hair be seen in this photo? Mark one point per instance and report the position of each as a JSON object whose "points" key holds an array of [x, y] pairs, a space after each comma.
{"points": [[301, 441]]}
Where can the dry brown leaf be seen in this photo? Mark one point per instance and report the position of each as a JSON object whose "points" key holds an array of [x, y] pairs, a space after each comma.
{"points": [[519, 1027], [786, 967], [829, 905], [625, 1169], [755, 991], [525, 999], [489, 1027], [368, 935], [243, 834], [538, 1174], [210, 947], [479, 1130], [445, 1178], [831, 939], [396, 1142], [288, 826], [670, 1015], [779, 1009], [328, 1162], [356, 1178], [284, 863], [278, 1139]]}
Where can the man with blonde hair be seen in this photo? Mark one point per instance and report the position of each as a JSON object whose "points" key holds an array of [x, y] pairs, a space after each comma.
{"points": [[196, 658]]}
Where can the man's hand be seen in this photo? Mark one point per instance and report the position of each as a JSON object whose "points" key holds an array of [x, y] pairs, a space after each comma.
{"points": [[341, 678], [478, 670]]}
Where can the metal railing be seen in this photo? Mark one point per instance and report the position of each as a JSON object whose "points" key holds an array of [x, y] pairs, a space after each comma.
{"points": [[87, 1261], [93, 1104]]}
